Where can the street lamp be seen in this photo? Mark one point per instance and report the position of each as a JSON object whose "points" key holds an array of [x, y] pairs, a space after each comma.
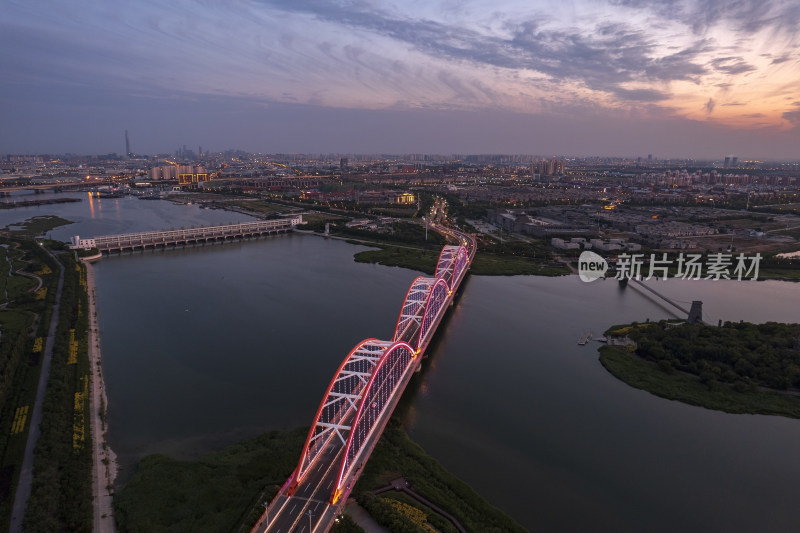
{"points": [[266, 509], [310, 515]]}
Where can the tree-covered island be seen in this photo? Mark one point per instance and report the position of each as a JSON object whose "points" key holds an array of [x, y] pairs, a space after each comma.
{"points": [[737, 367]]}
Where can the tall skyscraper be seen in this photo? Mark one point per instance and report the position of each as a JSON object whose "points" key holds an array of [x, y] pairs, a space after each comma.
{"points": [[127, 145]]}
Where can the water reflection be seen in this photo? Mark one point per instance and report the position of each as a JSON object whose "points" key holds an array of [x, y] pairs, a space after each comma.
{"points": [[91, 206]]}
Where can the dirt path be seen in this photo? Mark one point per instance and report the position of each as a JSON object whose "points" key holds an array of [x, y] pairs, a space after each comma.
{"points": [[104, 462]]}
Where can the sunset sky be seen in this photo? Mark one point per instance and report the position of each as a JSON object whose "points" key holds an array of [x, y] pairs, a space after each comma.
{"points": [[675, 78]]}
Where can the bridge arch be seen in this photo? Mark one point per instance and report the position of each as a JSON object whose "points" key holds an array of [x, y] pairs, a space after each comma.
{"points": [[452, 261], [375, 397], [437, 298], [445, 263], [459, 264], [414, 302], [341, 400]]}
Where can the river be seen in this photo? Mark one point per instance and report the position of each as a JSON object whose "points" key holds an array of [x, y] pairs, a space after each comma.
{"points": [[204, 346]]}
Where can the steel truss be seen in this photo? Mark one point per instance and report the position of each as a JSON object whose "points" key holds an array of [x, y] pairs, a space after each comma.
{"points": [[436, 300], [444, 267], [413, 306], [452, 262], [378, 394], [459, 265], [342, 399]]}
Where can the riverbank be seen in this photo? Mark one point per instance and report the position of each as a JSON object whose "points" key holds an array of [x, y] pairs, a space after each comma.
{"points": [[187, 495], [641, 374], [104, 462], [485, 264]]}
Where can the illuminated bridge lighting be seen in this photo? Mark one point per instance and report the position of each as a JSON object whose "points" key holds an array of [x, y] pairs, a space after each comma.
{"points": [[361, 397]]}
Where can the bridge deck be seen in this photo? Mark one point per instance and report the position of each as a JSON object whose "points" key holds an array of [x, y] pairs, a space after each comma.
{"points": [[155, 239]]}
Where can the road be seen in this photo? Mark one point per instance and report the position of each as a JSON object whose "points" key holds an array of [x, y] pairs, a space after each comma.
{"points": [[290, 514], [26, 473]]}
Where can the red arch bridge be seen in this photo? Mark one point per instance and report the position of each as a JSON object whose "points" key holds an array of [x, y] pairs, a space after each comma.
{"points": [[360, 399]]}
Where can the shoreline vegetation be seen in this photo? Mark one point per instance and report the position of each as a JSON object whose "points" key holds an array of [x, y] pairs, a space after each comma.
{"points": [[55, 493], [61, 494], [737, 368], [407, 247], [28, 287], [485, 264], [223, 491]]}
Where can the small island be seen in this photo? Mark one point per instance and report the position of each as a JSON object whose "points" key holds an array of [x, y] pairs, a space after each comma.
{"points": [[736, 368]]}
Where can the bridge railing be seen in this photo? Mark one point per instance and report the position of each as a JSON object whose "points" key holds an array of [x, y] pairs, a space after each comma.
{"points": [[180, 235]]}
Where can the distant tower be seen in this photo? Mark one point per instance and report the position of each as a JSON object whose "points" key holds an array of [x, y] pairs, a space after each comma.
{"points": [[127, 145], [343, 163]]}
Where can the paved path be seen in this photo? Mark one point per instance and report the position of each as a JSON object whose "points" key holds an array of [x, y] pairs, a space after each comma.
{"points": [[104, 464], [26, 473], [32, 276]]}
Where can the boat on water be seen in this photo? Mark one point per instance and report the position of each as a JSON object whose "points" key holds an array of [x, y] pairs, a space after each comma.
{"points": [[585, 338]]}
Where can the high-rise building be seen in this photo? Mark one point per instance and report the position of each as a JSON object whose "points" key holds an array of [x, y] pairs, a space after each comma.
{"points": [[188, 175], [127, 145], [550, 167]]}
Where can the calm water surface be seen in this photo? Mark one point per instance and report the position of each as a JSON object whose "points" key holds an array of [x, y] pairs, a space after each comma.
{"points": [[111, 216], [207, 345], [519, 410]]}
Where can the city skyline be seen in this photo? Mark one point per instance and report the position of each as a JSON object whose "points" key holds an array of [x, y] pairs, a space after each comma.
{"points": [[619, 78]]}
